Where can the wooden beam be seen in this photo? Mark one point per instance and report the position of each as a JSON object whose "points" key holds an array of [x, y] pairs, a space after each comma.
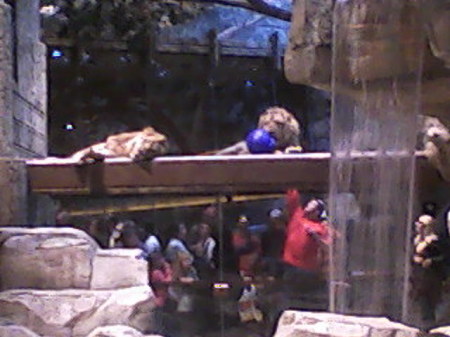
{"points": [[82, 206], [187, 174], [201, 175], [226, 50], [162, 47], [115, 45]]}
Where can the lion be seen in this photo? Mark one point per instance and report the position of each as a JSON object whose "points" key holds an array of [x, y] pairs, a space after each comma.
{"points": [[137, 145], [281, 124], [436, 145]]}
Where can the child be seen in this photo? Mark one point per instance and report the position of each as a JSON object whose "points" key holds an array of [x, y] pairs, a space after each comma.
{"points": [[184, 274], [160, 279]]}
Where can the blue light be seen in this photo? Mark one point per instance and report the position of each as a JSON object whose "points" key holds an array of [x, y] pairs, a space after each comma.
{"points": [[249, 84], [56, 54], [69, 127]]}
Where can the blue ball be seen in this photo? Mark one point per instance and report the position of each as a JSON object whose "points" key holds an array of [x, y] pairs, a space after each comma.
{"points": [[260, 141]]}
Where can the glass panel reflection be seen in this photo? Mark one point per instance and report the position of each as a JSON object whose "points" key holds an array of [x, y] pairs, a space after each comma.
{"points": [[224, 267]]}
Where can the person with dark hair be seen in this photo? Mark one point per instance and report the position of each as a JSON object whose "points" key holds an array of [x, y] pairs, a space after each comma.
{"points": [[247, 247], [306, 236], [160, 278], [210, 215], [94, 229], [429, 208], [63, 218], [177, 244], [272, 241], [125, 235], [203, 247], [428, 267], [221, 257]]}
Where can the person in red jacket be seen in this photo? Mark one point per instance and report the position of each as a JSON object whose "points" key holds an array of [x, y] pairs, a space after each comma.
{"points": [[306, 238]]}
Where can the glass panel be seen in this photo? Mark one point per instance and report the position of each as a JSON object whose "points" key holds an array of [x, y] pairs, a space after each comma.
{"points": [[227, 266], [374, 123]]}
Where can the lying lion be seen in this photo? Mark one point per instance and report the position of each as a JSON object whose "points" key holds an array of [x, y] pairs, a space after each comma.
{"points": [[138, 145]]}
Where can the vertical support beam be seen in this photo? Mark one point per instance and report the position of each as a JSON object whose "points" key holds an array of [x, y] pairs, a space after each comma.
{"points": [[275, 65], [214, 59]]}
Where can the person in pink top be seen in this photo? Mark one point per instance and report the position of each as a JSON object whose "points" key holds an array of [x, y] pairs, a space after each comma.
{"points": [[160, 278]]}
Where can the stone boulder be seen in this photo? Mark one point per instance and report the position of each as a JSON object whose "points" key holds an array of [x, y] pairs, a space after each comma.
{"points": [[77, 312], [308, 55], [16, 331], [442, 330], [393, 47], [117, 331], [307, 59], [45, 258], [319, 324], [118, 268]]}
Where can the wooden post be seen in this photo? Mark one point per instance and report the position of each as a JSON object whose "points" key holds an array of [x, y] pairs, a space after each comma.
{"points": [[214, 59], [275, 65]]}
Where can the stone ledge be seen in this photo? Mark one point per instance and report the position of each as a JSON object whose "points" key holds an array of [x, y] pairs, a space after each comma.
{"points": [[45, 258], [76, 312], [118, 268], [16, 331], [319, 324]]}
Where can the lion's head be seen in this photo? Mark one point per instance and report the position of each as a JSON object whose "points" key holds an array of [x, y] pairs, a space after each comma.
{"points": [[148, 144], [282, 125]]}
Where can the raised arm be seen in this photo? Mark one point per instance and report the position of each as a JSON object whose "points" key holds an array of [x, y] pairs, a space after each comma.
{"points": [[294, 209]]}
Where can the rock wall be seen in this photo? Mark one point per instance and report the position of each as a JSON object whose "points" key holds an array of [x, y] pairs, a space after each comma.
{"points": [[5, 80], [308, 57], [23, 108], [57, 282], [13, 191], [29, 82]]}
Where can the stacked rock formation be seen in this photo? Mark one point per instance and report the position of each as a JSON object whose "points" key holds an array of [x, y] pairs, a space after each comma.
{"points": [[57, 282]]}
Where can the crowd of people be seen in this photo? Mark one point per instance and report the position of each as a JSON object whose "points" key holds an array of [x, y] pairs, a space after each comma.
{"points": [[185, 261], [290, 251]]}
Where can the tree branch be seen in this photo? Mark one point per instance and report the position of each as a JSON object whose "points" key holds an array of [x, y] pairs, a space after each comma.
{"points": [[259, 6], [276, 12]]}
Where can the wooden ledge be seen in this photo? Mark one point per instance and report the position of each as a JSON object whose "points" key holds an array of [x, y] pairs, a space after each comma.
{"points": [[207, 175]]}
